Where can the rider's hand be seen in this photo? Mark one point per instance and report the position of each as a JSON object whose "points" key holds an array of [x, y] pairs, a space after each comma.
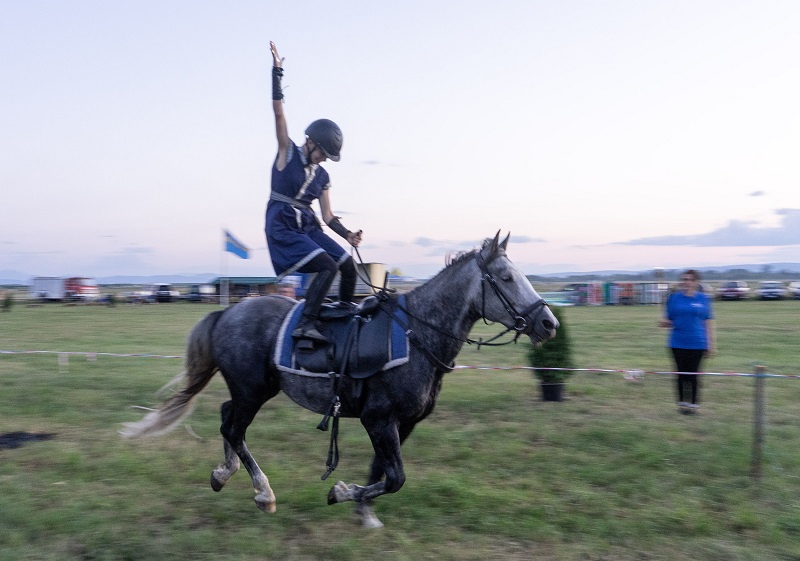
{"points": [[354, 238], [277, 61]]}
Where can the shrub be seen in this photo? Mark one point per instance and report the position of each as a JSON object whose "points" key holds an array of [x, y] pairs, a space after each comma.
{"points": [[8, 301], [554, 353]]}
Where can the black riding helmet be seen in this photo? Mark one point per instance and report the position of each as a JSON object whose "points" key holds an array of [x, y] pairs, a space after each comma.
{"points": [[328, 136]]}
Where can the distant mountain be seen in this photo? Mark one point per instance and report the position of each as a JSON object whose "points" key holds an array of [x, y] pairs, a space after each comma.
{"points": [[9, 277]]}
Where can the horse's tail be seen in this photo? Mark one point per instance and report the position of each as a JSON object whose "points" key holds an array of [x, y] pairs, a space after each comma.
{"points": [[200, 368]]}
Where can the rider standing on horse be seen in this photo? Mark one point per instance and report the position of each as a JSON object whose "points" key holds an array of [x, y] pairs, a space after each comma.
{"points": [[295, 238]]}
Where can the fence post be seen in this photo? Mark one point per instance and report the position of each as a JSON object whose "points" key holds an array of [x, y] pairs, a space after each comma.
{"points": [[759, 414]]}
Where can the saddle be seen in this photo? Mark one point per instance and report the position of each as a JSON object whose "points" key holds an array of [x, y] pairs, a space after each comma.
{"points": [[363, 340]]}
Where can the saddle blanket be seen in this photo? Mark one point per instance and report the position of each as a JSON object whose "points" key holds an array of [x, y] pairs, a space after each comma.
{"points": [[369, 345]]}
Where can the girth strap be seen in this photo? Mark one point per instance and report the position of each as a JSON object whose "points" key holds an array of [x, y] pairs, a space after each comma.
{"points": [[336, 405]]}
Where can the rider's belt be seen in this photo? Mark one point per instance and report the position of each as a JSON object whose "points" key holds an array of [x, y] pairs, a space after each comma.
{"points": [[275, 196]]}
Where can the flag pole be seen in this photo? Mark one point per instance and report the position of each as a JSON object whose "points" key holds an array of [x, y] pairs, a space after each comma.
{"points": [[224, 285]]}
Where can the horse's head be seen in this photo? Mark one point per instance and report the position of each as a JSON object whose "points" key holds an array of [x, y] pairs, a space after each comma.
{"points": [[508, 297]]}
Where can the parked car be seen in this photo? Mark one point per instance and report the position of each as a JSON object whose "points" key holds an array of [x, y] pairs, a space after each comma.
{"points": [[794, 289], [163, 293], [771, 290], [733, 290], [201, 293]]}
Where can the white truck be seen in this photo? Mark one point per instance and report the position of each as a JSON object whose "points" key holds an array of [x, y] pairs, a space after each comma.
{"points": [[83, 289], [47, 288]]}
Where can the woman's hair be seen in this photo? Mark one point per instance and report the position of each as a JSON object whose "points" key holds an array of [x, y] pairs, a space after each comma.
{"points": [[693, 272]]}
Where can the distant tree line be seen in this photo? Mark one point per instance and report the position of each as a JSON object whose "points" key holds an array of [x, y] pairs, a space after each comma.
{"points": [[670, 275]]}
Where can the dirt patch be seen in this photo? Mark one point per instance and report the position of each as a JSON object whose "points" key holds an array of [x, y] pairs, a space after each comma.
{"points": [[11, 440]]}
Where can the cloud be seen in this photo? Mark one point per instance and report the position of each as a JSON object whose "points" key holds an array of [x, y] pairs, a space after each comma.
{"points": [[447, 244], [757, 194], [526, 239], [427, 242], [737, 233]]}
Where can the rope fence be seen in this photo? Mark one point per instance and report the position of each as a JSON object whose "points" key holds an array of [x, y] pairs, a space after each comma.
{"points": [[627, 373], [759, 400]]}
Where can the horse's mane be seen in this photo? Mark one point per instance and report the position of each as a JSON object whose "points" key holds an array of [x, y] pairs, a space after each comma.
{"points": [[464, 255]]}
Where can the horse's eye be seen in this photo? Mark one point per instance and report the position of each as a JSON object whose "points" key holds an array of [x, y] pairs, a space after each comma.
{"points": [[507, 277]]}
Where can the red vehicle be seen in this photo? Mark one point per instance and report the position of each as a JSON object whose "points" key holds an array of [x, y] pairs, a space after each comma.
{"points": [[81, 288]]}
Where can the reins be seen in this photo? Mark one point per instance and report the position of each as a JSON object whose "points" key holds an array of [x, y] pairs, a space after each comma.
{"points": [[520, 323]]}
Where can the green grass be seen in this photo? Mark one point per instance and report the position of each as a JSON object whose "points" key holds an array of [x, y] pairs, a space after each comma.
{"points": [[613, 473]]}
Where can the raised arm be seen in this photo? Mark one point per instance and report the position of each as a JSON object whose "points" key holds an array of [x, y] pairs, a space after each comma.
{"points": [[281, 130]]}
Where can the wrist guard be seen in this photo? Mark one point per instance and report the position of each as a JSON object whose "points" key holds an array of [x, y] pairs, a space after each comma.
{"points": [[277, 91], [337, 227]]}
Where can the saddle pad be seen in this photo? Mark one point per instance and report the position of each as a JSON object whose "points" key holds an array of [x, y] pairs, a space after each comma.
{"points": [[394, 351]]}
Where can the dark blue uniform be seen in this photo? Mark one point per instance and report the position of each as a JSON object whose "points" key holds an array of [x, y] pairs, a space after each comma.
{"points": [[294, 234]]}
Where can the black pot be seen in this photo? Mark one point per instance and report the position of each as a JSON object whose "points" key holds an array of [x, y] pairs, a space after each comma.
{"points": [[552, 391]]}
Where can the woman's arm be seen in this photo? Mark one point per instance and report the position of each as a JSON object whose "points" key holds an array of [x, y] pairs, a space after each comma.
{"points": [[281, 130], [353, 238]]}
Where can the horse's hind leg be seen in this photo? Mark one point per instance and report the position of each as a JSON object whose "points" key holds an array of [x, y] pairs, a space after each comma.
{"points": [[234, 426], [224, 471]]}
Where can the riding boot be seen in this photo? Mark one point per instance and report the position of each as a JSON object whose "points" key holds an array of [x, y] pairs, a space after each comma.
{"points": [[307, 329]]}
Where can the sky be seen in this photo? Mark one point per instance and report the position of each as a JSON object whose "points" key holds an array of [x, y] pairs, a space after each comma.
{"points": [[603, 135]]}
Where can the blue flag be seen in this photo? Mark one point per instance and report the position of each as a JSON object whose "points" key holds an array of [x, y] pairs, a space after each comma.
{"points": [[235, 246]]}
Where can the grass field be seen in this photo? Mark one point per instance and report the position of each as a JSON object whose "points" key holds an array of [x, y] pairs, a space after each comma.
{"points": [[612, 473]]}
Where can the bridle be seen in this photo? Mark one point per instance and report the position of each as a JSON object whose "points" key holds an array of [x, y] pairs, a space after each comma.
{"points": [[522, 325]]}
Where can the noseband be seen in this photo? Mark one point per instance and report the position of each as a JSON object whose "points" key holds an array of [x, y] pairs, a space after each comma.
{"points": [[521, 323]]}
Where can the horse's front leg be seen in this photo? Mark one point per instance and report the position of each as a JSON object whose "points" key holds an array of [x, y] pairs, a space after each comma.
{"points": [[364, 510], [388, 461]]}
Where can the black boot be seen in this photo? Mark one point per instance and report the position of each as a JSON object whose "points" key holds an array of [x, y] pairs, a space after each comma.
{"points": [[315, 295], [308, 330]]}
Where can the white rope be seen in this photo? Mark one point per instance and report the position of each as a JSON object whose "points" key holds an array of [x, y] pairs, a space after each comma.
{"points": [[628, 373]]}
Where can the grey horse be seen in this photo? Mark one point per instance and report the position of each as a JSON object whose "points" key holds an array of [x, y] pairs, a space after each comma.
{"points": [[239, 342]]}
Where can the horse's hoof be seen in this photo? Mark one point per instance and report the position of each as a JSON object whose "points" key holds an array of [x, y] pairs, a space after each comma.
{"points": [[266, 506], [216, 484], [332, 496], [371, 522], [340, 493], [366, 516]]}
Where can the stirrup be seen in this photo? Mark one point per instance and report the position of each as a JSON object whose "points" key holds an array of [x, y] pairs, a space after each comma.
{"points": [[342, 305], [309, 331]]}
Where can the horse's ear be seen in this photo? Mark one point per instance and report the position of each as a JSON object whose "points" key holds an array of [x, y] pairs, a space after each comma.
{"points": [[504, 245], [495, 243]]}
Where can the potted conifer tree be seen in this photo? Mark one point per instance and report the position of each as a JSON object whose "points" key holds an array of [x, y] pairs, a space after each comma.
{"points": [[553, 353]]}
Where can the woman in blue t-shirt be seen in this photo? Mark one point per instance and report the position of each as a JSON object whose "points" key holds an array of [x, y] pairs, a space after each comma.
{"points": [[295, 238], [689, 315]]}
